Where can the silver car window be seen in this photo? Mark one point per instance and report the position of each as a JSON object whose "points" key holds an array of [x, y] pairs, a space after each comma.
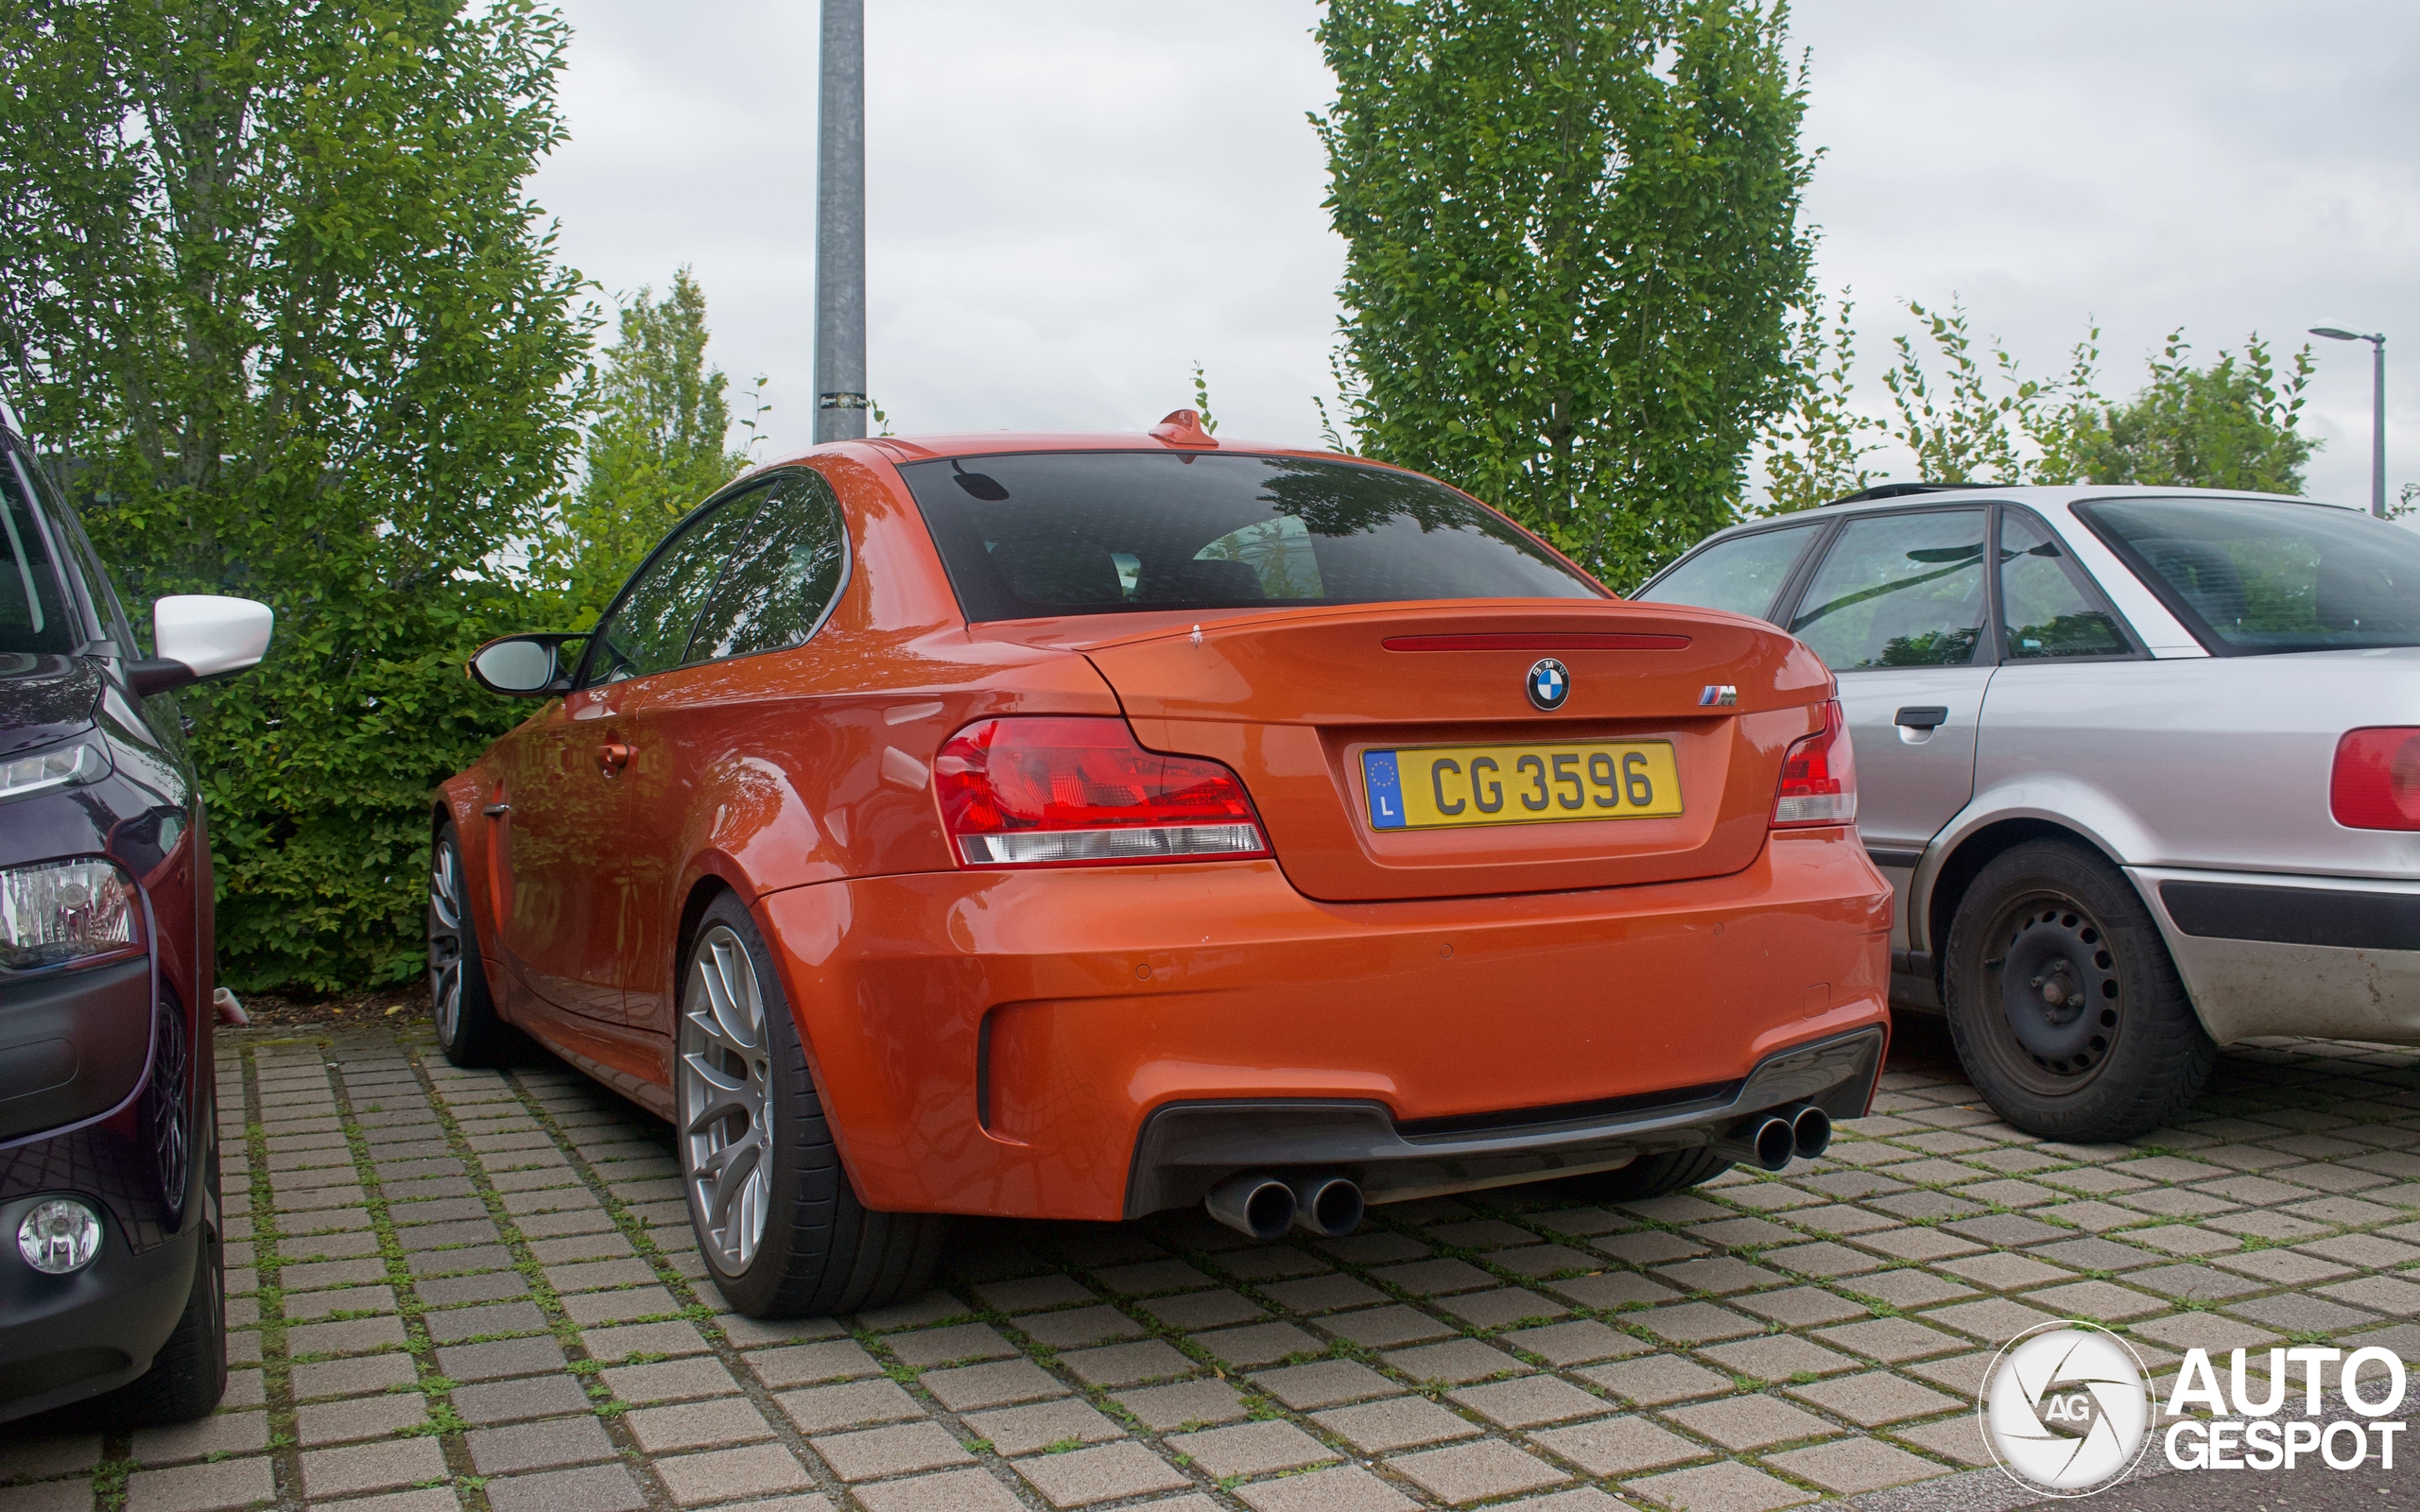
{"points": [[1741, 575], [1898, 590], [2251, 578], [2045, 610]]}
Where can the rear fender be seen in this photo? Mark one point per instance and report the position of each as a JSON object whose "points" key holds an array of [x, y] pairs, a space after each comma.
{"points": [[2081, 810]]}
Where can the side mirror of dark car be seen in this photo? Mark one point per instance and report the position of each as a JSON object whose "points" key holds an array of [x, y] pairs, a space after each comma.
{"points": [[200, 636], [525, 666]]}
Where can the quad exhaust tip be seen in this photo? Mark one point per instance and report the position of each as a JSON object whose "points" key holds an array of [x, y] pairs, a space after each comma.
{"points": [[1328, 1206], [1254, 1203], [1770, 1140], [1266, 1206]]}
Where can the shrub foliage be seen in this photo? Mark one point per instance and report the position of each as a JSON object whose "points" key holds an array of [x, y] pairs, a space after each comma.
{"points": [[291, 329]]}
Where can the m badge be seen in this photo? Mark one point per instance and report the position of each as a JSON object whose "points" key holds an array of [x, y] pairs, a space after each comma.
{"points": [[1718, 695]]}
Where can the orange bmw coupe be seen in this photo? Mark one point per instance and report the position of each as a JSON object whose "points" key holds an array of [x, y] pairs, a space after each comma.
{"points": [[1087, 826]]}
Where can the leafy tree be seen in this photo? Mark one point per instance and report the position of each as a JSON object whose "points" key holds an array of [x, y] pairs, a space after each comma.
{"points": [[2230, 425], [1817, 449], [1573, 248], [656, 447], [1976, 419], [291, 329]]}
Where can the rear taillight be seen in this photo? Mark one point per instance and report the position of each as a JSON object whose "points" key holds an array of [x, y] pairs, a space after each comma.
{"points": [[2376, 782], [1819, 776], [1041, 791]]}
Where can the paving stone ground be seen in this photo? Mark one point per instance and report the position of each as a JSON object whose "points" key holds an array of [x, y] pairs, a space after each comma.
{"points": [[476, 1290]]}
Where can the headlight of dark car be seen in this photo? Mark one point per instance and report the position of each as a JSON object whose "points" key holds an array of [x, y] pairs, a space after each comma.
{"points": [[69, 764], [66, 911]]}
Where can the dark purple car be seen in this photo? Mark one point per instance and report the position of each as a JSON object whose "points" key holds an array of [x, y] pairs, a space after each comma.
{"points": [[111, 1277]]}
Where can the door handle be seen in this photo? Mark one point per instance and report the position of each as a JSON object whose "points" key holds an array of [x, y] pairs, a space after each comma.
{"points": [[611, 757], [497, 811], [1922, 716]]}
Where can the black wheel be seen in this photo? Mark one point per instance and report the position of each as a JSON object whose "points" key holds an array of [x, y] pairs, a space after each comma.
{"points": [[468, 1028], [189, 1374], [781, 1230], [2067, 1014], [1650, 1176]]}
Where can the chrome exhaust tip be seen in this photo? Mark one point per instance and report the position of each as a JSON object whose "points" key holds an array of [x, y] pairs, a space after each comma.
{"points": [[1256, 1203], [1328, 1206], [1766, 1142], [1812, 1131]]}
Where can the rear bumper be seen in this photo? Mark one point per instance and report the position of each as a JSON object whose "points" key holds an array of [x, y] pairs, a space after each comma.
{"points": [[2282, 954], [995, 1043], [1185, 1147]]}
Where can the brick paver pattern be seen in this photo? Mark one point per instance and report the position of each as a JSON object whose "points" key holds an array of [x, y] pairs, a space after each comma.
{"points": [[477, 1290]]}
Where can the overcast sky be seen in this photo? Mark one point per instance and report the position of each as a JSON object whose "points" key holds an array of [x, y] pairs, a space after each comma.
{"points": [[1072, 201]]}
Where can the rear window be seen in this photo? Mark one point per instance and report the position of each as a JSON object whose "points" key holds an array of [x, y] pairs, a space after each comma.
{"points": [[1047, 533], [2250, 579]]}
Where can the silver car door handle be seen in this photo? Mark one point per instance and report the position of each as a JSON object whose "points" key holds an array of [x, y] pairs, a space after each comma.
{"points": [[497, 811], [1922, 716]]}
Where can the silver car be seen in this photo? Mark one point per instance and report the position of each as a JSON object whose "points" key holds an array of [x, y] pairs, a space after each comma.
{"points": [[2147, 784]]}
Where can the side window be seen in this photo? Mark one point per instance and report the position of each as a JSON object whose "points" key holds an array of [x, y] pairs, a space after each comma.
{"points": [[2044, 604], [785, 578], [1741, 575], [648, 630], [1898, 590]]}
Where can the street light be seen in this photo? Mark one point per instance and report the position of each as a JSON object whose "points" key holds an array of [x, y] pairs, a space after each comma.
{"points": [[2377, 408]]}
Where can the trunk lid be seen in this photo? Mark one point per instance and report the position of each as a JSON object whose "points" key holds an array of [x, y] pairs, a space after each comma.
{"points": [[1292, 700]]}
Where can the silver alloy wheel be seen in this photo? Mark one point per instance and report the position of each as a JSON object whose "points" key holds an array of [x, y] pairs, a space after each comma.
{"points": [[726, 1111], [445, 940]]}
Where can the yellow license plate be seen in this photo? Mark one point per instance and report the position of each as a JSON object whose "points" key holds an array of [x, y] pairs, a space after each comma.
{"points": [[1435, 788]]}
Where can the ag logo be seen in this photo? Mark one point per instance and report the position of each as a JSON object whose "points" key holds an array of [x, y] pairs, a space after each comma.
{"points": [[2067, 1409]]}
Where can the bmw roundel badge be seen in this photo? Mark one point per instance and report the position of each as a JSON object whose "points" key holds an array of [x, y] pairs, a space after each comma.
{"points": [[1549, 683]]}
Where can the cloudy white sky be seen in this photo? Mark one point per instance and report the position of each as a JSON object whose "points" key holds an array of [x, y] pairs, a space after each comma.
{"points": [[1072, 201]]}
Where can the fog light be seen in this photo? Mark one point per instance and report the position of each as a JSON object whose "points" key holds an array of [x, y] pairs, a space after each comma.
{"points": [[59, 1236]]}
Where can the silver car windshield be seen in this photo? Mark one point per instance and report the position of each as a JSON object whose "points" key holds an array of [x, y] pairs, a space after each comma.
{"points": [[2250, 579]]}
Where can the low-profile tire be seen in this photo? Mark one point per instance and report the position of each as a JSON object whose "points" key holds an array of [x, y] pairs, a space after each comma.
{"points": [[1650, 1176], [189, 1374], [469, 1029], [2065, 1009], [781, 1227]]}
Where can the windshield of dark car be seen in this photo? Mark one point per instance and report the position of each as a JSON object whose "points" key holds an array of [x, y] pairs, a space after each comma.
{"points": [[34, 616], [2252, 578], [1047, 533]]}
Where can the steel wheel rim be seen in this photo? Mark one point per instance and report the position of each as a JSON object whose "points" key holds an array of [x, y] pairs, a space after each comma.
{"points": [[726, 1113], [2077, 955], [444, 943]]}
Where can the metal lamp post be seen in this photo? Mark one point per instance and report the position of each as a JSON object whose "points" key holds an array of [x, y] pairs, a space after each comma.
{"points": [[840, 225], [2377, 408]]}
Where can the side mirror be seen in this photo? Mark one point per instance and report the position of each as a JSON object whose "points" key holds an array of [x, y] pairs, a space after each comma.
{"points": [[199, 636], [524, 666]]}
